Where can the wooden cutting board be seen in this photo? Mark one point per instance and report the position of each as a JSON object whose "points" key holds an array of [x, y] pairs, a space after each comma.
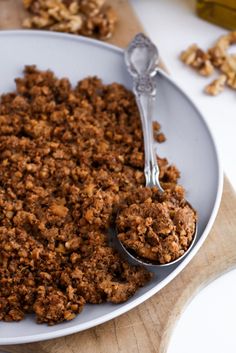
{"points": [[148, 327]]}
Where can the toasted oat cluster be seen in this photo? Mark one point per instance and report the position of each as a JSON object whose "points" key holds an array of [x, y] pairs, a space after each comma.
{"points": [[91, 18], [217, 58], [68, 157], [156, 226]]}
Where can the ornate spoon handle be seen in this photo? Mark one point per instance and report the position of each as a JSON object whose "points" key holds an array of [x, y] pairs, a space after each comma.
{"points": [[141, 59]]}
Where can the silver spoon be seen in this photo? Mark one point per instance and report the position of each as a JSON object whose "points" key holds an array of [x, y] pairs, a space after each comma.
{"points": [[141, 58]]}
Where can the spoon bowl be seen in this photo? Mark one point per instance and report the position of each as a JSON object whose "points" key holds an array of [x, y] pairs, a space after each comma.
{"points": [[143, 261]]}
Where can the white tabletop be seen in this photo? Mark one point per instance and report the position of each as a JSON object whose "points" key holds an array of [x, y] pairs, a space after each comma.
{"points": [[208, 323], [173, 26]]}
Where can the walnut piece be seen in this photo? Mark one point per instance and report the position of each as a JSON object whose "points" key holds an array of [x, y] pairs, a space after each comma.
{"points": [[198, 59], [216, 57], [216, 86], [87, 17], [218, 53], [229, 69]]}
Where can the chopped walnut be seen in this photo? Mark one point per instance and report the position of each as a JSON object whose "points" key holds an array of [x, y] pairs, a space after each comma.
{"points": [[27, 3], [229, 69], [92, 7], [86, 17], [216, 86], [198, 59], [218, 53], [231, 80], [216, 57]]}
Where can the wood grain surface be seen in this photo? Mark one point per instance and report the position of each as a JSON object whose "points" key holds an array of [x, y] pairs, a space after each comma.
{"points": [[147, 328]]}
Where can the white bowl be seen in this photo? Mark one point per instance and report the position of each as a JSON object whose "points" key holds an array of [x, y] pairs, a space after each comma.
{"points": [[189, 145]]}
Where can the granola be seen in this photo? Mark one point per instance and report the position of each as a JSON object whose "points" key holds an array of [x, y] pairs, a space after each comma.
{"points": [[156, 226], [68, 158]]}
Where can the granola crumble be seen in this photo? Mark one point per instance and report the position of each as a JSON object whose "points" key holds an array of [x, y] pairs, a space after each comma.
{"points": [[68, 157], [156, 226]]}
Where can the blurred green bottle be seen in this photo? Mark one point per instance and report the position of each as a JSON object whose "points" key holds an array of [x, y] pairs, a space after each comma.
{"points": [[220, 12]]}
